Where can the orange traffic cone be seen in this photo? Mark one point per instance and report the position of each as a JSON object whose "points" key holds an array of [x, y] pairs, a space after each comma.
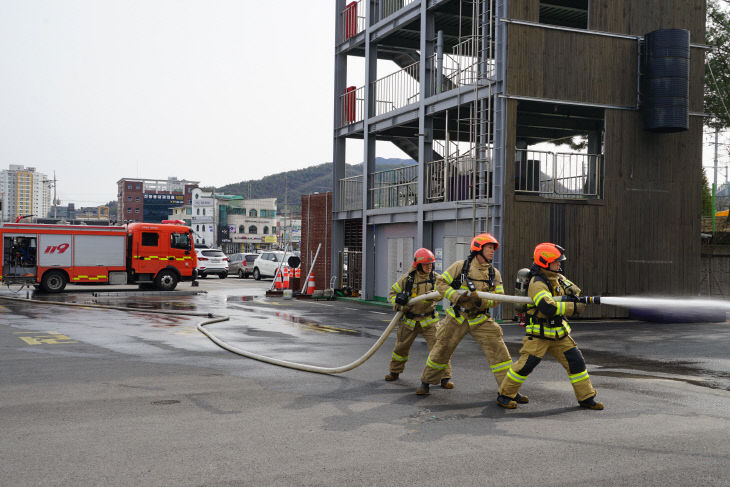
{"points": [[278, 281], [310, 285], [285, 271]]}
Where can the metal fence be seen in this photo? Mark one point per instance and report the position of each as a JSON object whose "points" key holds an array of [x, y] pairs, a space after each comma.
{"points": [[394, 187], [350, 193], [397, 90], [350, 267], [453, 179], [389, 7], [558, 174], [352, 19]]}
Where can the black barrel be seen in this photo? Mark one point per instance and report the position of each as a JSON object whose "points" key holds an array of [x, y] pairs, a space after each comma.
{"points": [[664, 81]]}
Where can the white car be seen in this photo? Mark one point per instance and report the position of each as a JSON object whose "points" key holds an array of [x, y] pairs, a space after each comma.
{"points": [[268, 262], [212, 261]]}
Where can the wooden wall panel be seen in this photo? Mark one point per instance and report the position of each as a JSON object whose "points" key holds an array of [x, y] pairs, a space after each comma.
{"points": [[641, 17], [572, 66], [641, 238], [525, 10]]}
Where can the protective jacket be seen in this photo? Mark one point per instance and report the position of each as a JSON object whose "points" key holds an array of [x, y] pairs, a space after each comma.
{"points": [[485, 279], [423, 312], [546, 316]]}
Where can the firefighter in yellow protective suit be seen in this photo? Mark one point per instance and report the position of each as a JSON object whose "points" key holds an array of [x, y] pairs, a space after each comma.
{"points": [[548, 331], [418, 318], [468, 313]]}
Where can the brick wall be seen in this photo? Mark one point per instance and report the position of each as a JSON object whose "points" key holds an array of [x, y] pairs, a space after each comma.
{"points": [[316, 229]]}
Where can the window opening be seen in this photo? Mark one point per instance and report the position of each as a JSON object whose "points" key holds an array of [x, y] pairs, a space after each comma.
{"points": [[566, 13]]}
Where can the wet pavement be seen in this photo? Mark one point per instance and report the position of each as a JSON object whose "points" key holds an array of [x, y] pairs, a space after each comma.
{"points": [[137, 397]]}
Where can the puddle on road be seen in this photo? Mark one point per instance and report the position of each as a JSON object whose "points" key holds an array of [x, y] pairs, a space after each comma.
{"points": [[234, 299]]}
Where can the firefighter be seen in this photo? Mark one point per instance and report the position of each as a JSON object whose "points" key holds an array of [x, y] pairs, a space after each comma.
{"points": [[468, 313], [547, 330], [418, 318]]}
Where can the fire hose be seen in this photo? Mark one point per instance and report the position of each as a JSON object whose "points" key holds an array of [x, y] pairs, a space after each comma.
{"points": [[292, 365], [338, 370]]}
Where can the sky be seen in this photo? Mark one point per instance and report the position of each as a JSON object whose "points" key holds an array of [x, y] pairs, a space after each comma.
{"points": [[216, 91]]}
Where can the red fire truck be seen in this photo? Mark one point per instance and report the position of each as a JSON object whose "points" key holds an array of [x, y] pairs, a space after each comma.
{"points": [[50, 256]]}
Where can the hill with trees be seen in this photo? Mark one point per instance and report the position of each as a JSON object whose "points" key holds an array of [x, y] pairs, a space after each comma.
{"points": [[291, 185]]}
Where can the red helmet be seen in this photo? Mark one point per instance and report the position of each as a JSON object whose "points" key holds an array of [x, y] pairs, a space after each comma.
{"points": [[481, 240], [423, 256], [546, 253]]}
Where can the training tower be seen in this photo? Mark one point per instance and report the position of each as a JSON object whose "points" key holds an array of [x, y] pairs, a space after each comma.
{"points": [[572, 121]]}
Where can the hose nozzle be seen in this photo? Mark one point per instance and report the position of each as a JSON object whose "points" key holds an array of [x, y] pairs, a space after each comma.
{"points": [[589, 299]]}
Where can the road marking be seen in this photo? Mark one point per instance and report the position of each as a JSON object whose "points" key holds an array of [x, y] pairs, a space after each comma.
{"points": [[44, 338]]}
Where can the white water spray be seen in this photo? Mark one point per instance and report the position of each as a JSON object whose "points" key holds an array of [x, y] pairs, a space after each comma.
{"points": [[673, 304]]}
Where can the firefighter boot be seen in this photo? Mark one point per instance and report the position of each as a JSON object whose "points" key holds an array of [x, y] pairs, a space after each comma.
{"points": [[423, 389], [392, 376], [591, 403], [506, 402], [446, 383], [520, 399]]}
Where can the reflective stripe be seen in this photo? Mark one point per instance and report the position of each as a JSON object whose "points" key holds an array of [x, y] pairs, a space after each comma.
{"points": [[561, 308], [424, 323], [540, 296], [499, 289], [515, 376], [391, 299], [478, 319], [447, 277], [450, 312], [397, 288], [434, 365], [549, 332], [578, 377], [90, 278], [400, 358], [449, 293], [155, 257], [502, 366]]}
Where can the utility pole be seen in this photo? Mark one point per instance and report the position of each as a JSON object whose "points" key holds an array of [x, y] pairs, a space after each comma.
{"points": [[55, 200], [714, 184]]}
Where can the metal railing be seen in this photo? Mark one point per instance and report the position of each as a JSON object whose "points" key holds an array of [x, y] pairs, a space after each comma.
{"points": [[453, 179], [389, 7], [352, 105], [352, 19], [558, 174], [397, 90], [461, 67], [350, 193], [394, 187]]}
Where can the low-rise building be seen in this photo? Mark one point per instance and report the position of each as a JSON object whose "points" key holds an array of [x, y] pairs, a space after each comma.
{"points": [[233, 223]]}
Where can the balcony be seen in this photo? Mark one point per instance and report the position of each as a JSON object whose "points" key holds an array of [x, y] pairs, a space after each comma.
{"points": [[453, 179], [350, 194], [352, 19], [558, 174], [394, 187]]}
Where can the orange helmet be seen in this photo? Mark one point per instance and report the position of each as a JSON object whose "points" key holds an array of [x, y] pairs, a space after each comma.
{"points": [[481, 240], [423, 256], [546, 253]]}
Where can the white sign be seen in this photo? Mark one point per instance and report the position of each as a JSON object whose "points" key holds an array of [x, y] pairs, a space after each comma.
{"points": [[204, 202]]}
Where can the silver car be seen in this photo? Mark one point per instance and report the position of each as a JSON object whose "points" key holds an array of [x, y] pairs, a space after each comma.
{"points": [[241, 264]]}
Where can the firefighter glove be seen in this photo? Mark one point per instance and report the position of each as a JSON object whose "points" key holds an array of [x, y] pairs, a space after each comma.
{"points": [[401, 299]]}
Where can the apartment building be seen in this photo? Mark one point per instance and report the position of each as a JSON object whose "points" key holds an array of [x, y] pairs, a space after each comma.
{"points": [[24, 191], [151, 200]]}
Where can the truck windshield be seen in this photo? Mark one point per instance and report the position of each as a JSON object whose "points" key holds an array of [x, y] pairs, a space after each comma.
{"points": [[180, 241]]}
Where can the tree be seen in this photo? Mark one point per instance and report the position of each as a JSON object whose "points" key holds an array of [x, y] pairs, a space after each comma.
{"points": [[717, 65], [706, 196]]}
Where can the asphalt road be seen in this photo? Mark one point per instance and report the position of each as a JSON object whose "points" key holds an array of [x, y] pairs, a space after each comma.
{"points": [[106, 397]]}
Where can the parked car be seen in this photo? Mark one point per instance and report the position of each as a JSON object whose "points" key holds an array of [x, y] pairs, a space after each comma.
{"points": [[267, 263], [212, 261], [241, 264]]}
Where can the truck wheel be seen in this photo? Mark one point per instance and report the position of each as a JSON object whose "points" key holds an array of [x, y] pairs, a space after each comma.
{"points": [[256, 274], [222, 275], [166, 280], [53, 281]]}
